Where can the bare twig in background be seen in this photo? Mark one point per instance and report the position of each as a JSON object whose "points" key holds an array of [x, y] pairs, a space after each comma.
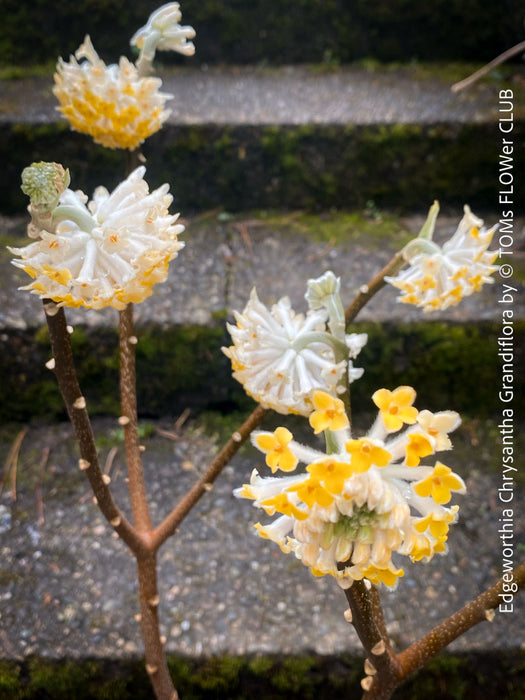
{"points": [[11, 464], [462, 84]]}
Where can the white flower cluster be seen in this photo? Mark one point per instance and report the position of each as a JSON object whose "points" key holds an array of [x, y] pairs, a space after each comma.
{"points": [[441, 277], [281, 357], [108, 253]]}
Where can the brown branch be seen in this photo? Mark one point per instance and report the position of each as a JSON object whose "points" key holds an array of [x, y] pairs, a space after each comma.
{"points": [[156, 663], [173, 520], [367, 291], [462, 84], [471, 614], [407, 662], [368, 621], [129, 421], [64, 369]]}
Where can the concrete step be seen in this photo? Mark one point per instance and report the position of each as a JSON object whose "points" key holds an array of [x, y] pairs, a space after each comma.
{"points": [[293, 137], [68, 592], [181, 327]]}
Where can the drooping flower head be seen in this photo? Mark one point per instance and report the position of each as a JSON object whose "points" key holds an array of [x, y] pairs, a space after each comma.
{"points": [[281, 357], [163, 31], [355, 509], [108, 253], [439, 277], [118, 105]]}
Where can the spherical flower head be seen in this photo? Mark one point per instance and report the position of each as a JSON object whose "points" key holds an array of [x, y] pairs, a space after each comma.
{"points": [[113, 104], [282, 357], [356, 509], [162, 31], [441, 277], [108, 253]]}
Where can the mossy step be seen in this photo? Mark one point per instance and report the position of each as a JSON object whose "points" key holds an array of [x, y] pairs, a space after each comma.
{"points": [[294, 137], [304, 677], [69, 588], [181, 327], [229, 31], [183, 367]]}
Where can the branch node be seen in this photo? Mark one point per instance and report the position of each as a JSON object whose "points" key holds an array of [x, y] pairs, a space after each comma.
{"points": [[51, 308], [348, 615], [370, 669], [378, 648], [83, 464], [366, 683], [79, 403], [490, 614], [50, 364]]}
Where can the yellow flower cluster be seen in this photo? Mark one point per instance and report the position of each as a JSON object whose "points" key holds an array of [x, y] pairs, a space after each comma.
{"points": [[369, 498], [113, 104]]}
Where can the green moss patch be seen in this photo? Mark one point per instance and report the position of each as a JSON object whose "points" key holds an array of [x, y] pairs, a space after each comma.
{"points": [[452, 366], [304, 677], [229, 31], [312, 167]]}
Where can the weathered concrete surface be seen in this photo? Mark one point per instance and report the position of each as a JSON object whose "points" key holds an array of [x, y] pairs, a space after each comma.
{"points": [[67, 585], [246, 138], [222, 261], [288, 95]]}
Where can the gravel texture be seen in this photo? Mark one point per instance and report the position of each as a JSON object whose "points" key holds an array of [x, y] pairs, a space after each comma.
{"points": [[288, 95]]}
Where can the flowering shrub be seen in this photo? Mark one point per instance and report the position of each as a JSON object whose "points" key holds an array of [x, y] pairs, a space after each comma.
{"points": [[354, 510]]}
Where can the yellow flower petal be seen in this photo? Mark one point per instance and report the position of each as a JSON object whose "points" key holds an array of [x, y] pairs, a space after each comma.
{"points": [[278, 454], [418, 446], [439, 484], [396, 406], [329, 414]]}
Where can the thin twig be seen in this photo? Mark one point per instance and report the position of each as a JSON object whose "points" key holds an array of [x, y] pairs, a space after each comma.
{"points": [[10, 467], [368, 621], [462, 84], [173, 520], [478, 610], [367, 291], [156, 662], [481, 609]]}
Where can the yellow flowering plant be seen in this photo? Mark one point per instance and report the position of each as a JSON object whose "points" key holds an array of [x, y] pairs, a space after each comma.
{"points": [[120, 106], [355, 510]]}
